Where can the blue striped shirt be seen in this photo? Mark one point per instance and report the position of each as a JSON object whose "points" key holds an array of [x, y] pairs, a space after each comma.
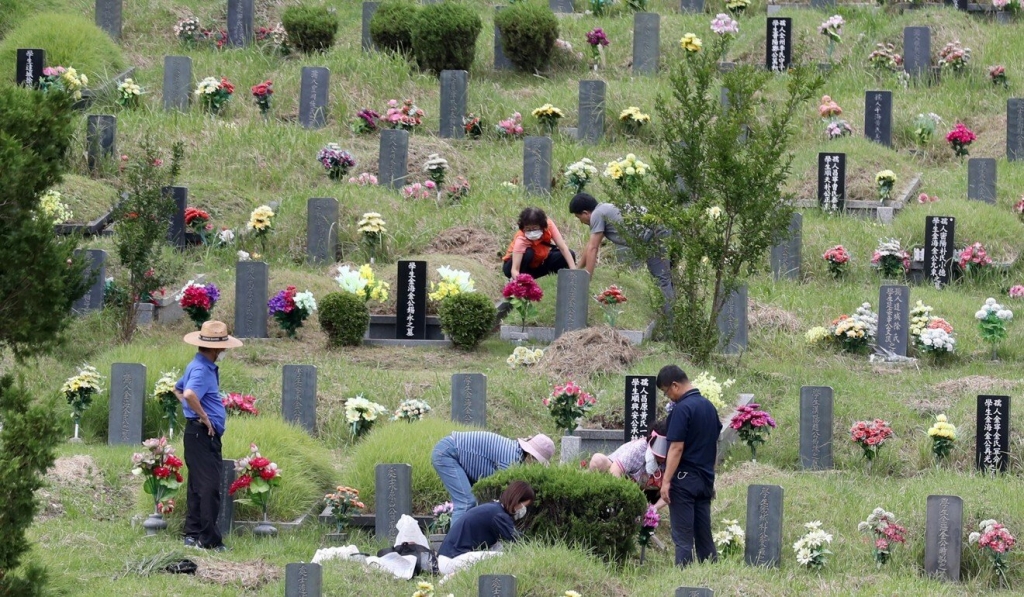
{"points": [[482, 453]]}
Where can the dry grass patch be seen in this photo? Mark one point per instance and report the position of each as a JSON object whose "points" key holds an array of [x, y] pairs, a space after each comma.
{"points": [[248, 576], [583, 353]]}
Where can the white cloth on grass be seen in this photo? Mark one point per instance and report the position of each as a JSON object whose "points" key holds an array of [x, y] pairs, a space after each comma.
{"points": [[404, 566]]}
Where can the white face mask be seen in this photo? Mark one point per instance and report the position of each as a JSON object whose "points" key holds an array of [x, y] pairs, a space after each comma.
{"points": [[521, 512], [534, 234]]}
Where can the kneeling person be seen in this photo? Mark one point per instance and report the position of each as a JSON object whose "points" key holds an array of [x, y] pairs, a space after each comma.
{"points": [[486, 524], [641, 460], [538, 248]]}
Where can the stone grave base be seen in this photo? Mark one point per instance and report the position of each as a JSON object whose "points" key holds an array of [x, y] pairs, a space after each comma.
{"points": [[167, 310], [382, 332], [874, 210], [546, 335], [108, 88], [367, 521], [249, 525]]}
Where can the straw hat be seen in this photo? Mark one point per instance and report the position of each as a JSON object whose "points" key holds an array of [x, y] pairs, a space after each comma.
{"points": [[539, 446], [213, 334]]}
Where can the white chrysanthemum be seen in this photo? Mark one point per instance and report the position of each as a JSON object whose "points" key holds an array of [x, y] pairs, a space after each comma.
{"points": [[350, 280], [803, 557], [305, 300]]}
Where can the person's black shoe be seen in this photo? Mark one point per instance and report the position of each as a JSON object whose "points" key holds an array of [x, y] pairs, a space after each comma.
{"points": [[191, 542], [219, 548]]}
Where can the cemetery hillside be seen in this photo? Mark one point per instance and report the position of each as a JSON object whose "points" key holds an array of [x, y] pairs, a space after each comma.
{"points": [[835, 189]]}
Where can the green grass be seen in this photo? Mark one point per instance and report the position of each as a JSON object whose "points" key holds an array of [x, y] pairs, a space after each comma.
{"points": [[237, 162]]}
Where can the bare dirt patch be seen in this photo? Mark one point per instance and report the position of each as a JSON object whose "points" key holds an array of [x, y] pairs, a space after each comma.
{"points": [[583, 353], [470, 242], [762, 315], [249, 575]]}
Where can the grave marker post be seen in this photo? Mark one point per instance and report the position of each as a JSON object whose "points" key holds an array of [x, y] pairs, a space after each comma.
{"points": [[411, 317], [393, 484], [779, 44], [454, 96], [939, 234], [591, 111], [240, 19], [572, 300], [981, 179], [641, 406], [732, 323], [763, 546], [394, 157], [646, 43], [321, 230], [816, 427], [92, 300], [108, 17], [303, 580], [832, 181], [127, 404], [369, 8], [878, 117], [786, 254], [177, 89], [469, 399], [29, 65], [537, 165], [1015, 129], [993, 433], [101, 139], [251, 294], [893, 319], [943, 541], [298, 396], [314, 97]]}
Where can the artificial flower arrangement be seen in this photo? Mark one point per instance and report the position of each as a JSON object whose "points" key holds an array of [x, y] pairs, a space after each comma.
{"points": [[163, 393], [261, 92], [886, 182], [511, 127], [411, 410], [406, 117], [257, 476], [214, 93], [225, 237], [79, 390], [960, 139], [198, 220], [870, 436], [811, 549], [436, 168], [648, 525], [364, 179], [128, 93], [851, 333], [523, 291], [473, 126], [690, 43], [884, 532], [925, 198], [890, 258], [729, 540], [53, 208], [997, 74], [335, 160], [598, 7], [995, 540], [752, 425], [343, 503], [416, 190], [363, 283], [548, 117], [361, 414], [830, 112], [598, 41], [954, 57], [273, 39], [290, 309], [885, 58], [737, 7], [442, 518], [710, 388], [426, 589], [1016, 291], [974, 258], [198, 300], [189, 31], [832, 28], [567, 404], [992, 319], [627, 173], [162, 470], [67, 79], [1018, 208], [929, 334], [610, 298], [838, 258], [457, 190], [523, 356], [579, 174], [371, 231], [236, 403], [633, 120], [365, 121], [453, 282], [724, 25], [943, 434], [261, 222], [924, 127]]}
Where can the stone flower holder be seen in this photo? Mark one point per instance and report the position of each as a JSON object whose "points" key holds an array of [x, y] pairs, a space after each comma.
{"points": [[154, 524]]}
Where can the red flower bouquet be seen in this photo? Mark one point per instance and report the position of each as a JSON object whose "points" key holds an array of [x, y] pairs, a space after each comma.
{"points": [[239, 404], [960, 138], [522, 292], [870, 436], [753, 426], [197, 300], [608, 299], [256, 476], [568, 403], [261, 93], [199, 221], [837, 258], [161, 469], [974, 258]]}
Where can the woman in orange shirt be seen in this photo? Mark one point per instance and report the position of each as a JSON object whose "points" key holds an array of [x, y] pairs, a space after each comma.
{"points": [[538, 248]]}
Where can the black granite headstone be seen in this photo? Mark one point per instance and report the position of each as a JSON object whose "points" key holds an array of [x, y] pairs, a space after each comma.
{"points": [[537, 165], [226, 514], [646, 42], [314, 96], [878, 117], [454, 95], [298, 395], [176, 234], [393, 497], [100, 139], [303, 580], [816, 427], [127, 404], [369, 8], [393, 158], [30, 63], [321, 230], [786, 255], [411, 319], [943, 541], [732, 323], [469, 399], [832, 181], [917, 51], [779, 44], [108, 17], [93, 300], [501, 61], [763, 545], [591, 111], [640, 407], [939, 234], [893, 319], [251, 295], [992, 450], [981, 179], [177, 90], [572, 300], [1015, 129], [240, 19]]}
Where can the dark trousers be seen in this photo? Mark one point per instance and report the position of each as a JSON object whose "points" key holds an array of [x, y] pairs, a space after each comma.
{"points": [[552, 264], [204, 462], [690, 510]]}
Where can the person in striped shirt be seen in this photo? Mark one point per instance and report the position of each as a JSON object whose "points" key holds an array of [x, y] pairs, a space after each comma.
{"points": [[642, 460], [463, 458]]}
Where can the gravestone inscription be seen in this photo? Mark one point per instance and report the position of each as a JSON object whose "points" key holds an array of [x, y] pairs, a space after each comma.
{"points": [[127, 404], [100, 138], [917, 57], [763, 546], [393, 486], [298, 395], [537, 165], [732, 322], [454, 94], [981, 179], [97, 271], [321, 230], [29, 65], [878, 117], [646, 42], [816, 427], [939, 234], [1015, 129], [641, 406], [893, 319], [786, 254], [251, 280], [496, 585], [992, 449], [108, 17], [469, 399], [176, 232], [943, 541], [314, 96], [303, 580], [572, 300], [393, 158], [226, 512], [591, 110], [369, 8], [177, 89], [779, 44], [411, 320], [832, 181], [240, 19]]}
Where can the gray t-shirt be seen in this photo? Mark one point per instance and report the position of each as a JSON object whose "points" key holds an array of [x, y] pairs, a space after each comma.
{"points": [[605, 218]]}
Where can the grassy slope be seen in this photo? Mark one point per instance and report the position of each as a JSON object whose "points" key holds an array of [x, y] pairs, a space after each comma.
{"points": [[238, 162]]}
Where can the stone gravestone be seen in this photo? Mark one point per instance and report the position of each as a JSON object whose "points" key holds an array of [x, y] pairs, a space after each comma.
{"points": [[394, 157], [411, 317], [393, 483], [691, 6], [314, 96], [981, 179], [454, 95], [321, 230], [561, 6], [878, 117], [369, 8], [537, 165], [501, 61], [763, 546], [832, 181], [469, 399], [917, 51], [779, 44], [497, 585], [641, 406], [786, 255], [240, 17], [943, 542], [298, 395], [93, 300], [823, 3], [1015, 129], [226, 514], [939, 233], [127, 404], [694, 592], [646, 42], [30, 63], [303, 580], [177, 89], [993, 433], [591, 109], [572, 299], [251, 294], [100, 139], [732, 323], [893, 319], [108, 17], [176, 233], [816, 427]]}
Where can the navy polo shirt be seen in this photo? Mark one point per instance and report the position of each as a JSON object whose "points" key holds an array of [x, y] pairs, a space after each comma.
{"points": [[479, 528], [694, 421], [202, 377]]}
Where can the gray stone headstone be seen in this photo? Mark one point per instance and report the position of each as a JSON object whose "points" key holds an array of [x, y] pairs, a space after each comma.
{"points": [[177, 230], [251, 295], [893, 319], [29, 65], [732, 323], [537, 165], [992, 448], [691, 6], [501, 61], [97, 266], [240, 18], [563, 6], [646, 42], [369, 8], [943, 537], [823, 3], [303, 580], [226, 514], [981, 179], [497, 585], [939, 242], [144, 313], [469, 399], [764, 526], [314, 96], [394, 158], [816, 427], [570, 448], [393, 497], [108, 17], [100, 139], [572, 300], [321, 230], [878, 117], [591, 104], [1015, 129], [454, 95], [917, 51], [177, 89], [885, 214], [127, 404], [298, 395], [694, 592], [785, 256]]}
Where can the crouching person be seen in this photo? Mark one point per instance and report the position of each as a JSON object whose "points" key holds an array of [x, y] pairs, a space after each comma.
{"points": [[641, 460], [484, 525]]}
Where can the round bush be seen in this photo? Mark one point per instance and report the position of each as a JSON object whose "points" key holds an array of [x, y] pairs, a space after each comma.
{"points": [[467, 318], [69, 40], [391, 25], [344, 318], [528, 34], [310, 28], [444, 37]]}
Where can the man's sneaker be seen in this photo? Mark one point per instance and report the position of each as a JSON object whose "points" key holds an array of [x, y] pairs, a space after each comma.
{"points": [[191, 542], [219, 548]]}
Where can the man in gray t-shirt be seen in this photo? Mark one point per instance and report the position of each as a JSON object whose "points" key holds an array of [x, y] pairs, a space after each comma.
{"points": [[603, 219]]}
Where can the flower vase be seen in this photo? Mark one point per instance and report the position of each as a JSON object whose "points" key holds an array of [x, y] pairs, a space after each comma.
{"points": [[435, 540], [643, 552], [154, 524], [264, 528], [335, 173], [753, 453], [76, 439], [870, 462], [339, 537]]}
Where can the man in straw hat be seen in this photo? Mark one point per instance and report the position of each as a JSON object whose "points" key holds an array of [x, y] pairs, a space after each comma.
{"points": [[199, 392], [462, 459]]}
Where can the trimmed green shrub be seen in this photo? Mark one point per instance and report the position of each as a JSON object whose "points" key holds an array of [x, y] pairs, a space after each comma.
{"points": [[69, 40], [597, 512], [392, 24], [444, 37], [310, 28], [344, 317], [528, 34], [467, 318]]}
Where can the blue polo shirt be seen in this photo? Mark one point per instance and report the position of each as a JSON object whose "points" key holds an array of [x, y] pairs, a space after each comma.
{"points": [[202, 377], [694, 421]]}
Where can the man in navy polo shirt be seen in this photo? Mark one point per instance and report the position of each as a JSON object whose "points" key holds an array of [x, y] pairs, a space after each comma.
{"points": [[689, 486], [199, 393]]}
